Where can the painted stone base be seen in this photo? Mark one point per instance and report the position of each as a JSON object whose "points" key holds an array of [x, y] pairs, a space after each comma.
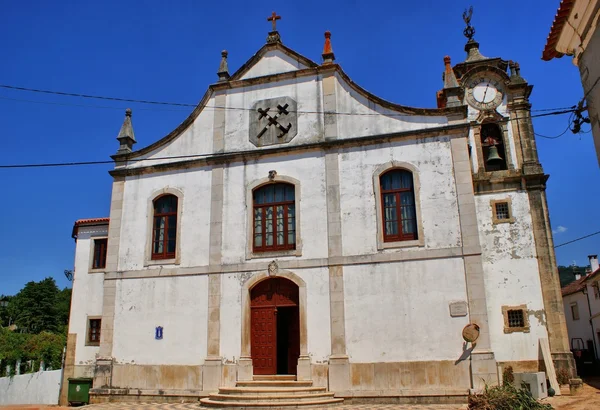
{"points": [[145, 396]]}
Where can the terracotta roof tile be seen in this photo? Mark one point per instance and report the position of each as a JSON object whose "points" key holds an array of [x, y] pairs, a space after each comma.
{"points": [[88, 222], [574, 287], [562, 15]]}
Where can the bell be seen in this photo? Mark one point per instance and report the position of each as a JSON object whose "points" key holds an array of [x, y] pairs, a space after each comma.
{"points": [[493, 156]]}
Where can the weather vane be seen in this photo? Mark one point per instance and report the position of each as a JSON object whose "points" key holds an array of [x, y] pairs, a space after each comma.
{"points": [[469, 32]]}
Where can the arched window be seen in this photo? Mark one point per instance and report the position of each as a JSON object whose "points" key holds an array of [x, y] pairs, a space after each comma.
{"points": [[164, 229], [398, 206], [492, 147], [274, 217]]}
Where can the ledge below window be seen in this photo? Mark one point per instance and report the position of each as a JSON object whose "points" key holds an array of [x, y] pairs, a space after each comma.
{"points": [[400, 244], [154, 262], [274, 254]]}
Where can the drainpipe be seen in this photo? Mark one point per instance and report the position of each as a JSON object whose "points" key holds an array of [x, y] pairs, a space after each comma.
{"points": [[587, 296]]}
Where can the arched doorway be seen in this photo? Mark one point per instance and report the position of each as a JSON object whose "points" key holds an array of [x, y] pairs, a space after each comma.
{"points": [[275, 326]]}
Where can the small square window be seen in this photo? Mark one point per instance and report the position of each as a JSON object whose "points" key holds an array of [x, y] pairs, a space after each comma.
{"points": [[502, 211], [99, 260], [515, 318], [93, 332]]}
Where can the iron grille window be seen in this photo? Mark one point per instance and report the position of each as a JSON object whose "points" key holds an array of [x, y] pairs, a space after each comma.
{"points": [[398, 203], [99, 261], [516, 318], [94, 330], [164, 231], [274, 217], [502, 210]]}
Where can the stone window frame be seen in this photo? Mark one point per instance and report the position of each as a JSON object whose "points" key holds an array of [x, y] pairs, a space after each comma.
{"points": [[573, 312], [377, 173], [495, 219], [250, 253], [88, 342], [502, 122], [507, 328], [92, 249], [148, 261]]}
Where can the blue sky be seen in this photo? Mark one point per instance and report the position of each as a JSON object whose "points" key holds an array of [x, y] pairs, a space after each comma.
{"points": [[170, 51]]}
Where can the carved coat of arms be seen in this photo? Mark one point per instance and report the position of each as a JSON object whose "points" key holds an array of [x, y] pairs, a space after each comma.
{"points": [[273, 121]]}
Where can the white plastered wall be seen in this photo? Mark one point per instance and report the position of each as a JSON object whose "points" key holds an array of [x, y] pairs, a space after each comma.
{"points": [[195, 185], [511, 274], [273, 62], [578, 329], [318, 329], [178, 304], [87, 294], [439, 209], [399, 312]]}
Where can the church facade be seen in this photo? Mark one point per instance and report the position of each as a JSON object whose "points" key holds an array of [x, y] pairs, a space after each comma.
{"points": [[296, 224]]}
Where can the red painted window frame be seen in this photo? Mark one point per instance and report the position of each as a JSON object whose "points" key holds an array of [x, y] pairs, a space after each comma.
{"points": [[263, 206], [100, 246], [94, 337], [397, 193], [164, 254]]}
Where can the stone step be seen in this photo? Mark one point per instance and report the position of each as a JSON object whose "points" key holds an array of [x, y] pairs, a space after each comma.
{"points": [[275, 377], [256, 391], [275, 383], [269, 405], [247, 398]]}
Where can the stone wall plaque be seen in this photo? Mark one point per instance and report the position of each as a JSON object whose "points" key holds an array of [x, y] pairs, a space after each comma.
{"points": [[273, 121], [458, 309]]}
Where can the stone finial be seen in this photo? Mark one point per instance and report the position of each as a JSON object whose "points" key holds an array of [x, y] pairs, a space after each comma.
{"points": [[450, 80], [223, 72], [126, 137], [273, 36], [472, 46], [328, 56], [515, 72]]}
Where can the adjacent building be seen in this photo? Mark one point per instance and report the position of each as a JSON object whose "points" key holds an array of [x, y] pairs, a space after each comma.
{"points": [[575, 32], [296, 229]]}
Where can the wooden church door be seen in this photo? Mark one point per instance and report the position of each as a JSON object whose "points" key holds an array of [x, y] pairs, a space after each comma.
{"points": [[266, 298]]}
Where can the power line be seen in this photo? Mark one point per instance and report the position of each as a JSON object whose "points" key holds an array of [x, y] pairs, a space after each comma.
{"points": [[78, 163], [578, 239], [152, 102]]}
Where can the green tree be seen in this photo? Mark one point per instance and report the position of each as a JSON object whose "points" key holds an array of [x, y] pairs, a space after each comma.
{"points": [[4, 316], [35, 308]]}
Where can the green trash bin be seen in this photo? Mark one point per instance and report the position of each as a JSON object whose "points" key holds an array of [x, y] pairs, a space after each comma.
{"points": [[79, 390]]}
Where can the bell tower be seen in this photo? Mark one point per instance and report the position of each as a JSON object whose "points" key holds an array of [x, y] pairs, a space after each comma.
{"points": [[505, 167]]}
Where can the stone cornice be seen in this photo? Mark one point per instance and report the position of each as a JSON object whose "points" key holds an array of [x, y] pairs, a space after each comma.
{"points": [[211, 159]]}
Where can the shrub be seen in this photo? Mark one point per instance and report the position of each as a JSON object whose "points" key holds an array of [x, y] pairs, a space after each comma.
{"points": [[506, 397]]}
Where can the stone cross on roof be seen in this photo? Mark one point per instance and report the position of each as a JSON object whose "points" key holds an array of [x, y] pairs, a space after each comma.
{"points": [[273, 19]]}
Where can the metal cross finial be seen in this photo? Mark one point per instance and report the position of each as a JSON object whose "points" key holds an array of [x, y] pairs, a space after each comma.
{"points": [[469, 32], [273, 19]]}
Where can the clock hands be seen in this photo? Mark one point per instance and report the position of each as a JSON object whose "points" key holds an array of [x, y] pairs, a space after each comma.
{"points": [[485, 92]]}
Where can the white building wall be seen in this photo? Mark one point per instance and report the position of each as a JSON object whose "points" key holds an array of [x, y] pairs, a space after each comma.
{"points": [[511, 275], [400, 312], [178, 304], [369, 118], [195, 185], [87, 292], [437, 191], [273, 62], [578, 328]]}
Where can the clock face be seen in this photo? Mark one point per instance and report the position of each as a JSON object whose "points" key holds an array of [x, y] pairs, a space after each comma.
{"points": [[484, 92]]}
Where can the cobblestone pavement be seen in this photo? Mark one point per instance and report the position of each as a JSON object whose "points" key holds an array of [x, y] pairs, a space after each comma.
{"points": [[189, 406]]}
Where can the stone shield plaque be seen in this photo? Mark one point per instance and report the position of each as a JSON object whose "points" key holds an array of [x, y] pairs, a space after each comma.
{"points": [[273, 121]]}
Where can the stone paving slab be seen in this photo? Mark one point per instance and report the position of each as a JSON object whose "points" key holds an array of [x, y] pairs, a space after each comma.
{"points": [[195, 406]]}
